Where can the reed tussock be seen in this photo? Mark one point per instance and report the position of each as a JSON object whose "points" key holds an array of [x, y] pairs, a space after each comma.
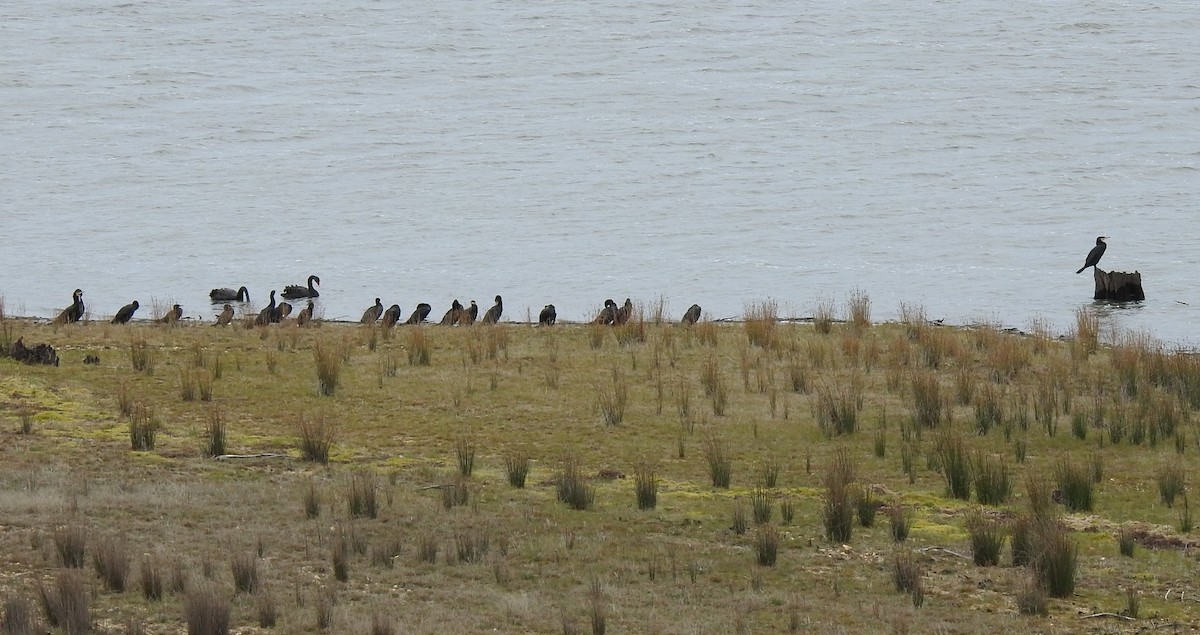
{"points": [[316, 438], [761, 321]]}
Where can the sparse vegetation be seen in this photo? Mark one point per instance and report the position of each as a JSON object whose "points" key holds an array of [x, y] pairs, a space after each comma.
{"points": [[986, 395]]}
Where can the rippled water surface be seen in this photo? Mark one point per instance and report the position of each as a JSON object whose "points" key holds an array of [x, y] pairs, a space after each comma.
{"points": [[962, 156]]}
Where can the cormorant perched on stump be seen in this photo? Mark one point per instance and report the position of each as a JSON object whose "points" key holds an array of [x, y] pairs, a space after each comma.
{"points": [[1094, 255]]}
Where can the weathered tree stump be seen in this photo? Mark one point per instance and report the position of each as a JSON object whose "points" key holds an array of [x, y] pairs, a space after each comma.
{"points": [[1118, 285], [39, 354]]}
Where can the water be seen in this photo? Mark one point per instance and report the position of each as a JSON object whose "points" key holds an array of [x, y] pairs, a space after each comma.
{"points": [[957, 155]]}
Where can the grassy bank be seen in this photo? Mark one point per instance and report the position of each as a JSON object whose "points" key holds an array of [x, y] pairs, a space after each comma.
{"points": [[675, 480]]}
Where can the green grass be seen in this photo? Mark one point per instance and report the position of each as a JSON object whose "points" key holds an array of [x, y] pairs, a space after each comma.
{"points": [[76, 468]]}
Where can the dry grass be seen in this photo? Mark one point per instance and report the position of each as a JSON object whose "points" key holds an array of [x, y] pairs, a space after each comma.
{"points": [[206, 611], [66, 603], [761, 323], [316, 438], [541, 554]]}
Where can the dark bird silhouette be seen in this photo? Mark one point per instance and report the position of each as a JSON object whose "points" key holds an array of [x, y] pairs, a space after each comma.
{"points": [[419, 315], [229, 295], [391, 316], [73, 313], [306, 315], [173, 315], [1094, 255], [295, 291], [372, 313], [548, 316], [691, 316], [608, 315], [624, 312], [452, 316], [469, 314], [283, 310], [226, 316], [126, 313], [492, 315], [267, 315]]}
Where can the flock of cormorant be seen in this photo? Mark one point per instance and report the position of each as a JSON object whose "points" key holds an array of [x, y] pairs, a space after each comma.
{"points": [[274, 313], [457, 314]]}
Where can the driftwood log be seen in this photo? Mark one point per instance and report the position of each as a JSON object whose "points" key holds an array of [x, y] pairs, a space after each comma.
{"points": [[1118, 285], [39, 354]]}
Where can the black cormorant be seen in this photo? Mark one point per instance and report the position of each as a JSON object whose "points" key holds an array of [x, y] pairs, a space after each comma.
{"points": [[1094, 255], [548, 316], [73, 313], [608, 315], [492, 315], [391, 316], [126, 313], [452, 316], [419, 315], [267, 315], [372, 313]]}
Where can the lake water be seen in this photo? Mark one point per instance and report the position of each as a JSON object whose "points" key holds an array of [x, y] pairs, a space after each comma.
{"points": [[959, 155]]}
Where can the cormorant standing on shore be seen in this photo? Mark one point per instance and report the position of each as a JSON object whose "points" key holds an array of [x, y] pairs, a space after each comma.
{"points": [[548, 316], [126, 313], [419, 314], [371, 315], [1094, 255], [73, 313], [492, 315]]}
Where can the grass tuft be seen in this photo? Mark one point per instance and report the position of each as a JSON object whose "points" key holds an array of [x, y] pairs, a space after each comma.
{"points": [[766, 545], [839, 497], [362, 499], [317, 435], [1075, 486], [572, 486], [206, 611], [516, 468], [151, 578], [900, 519], [66, 603], [645, 485], [111, 560], [143, 427], [720, 465], [245, 572], [70, 542], [987, 539]]}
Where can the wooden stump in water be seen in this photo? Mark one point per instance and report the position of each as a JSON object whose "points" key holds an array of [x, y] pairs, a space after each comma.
{"points": [[1118, 286]]}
